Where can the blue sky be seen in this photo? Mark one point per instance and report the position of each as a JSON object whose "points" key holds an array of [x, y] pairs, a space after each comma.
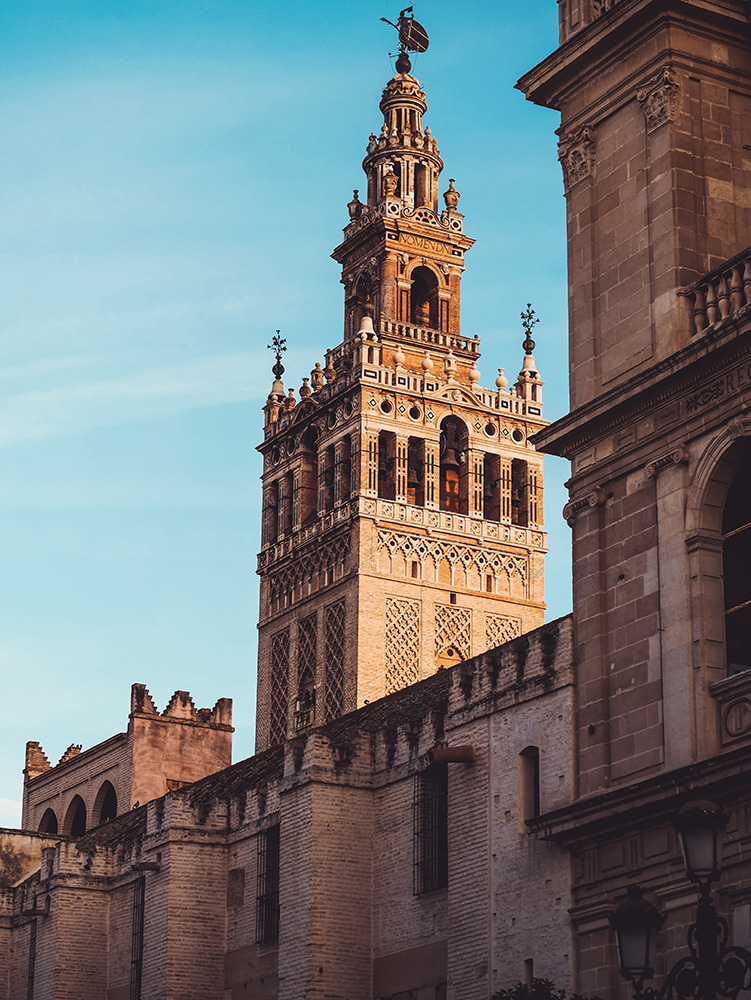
{"points": [[175, 176]]}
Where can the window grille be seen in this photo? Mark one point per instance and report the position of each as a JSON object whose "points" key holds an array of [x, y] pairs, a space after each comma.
{"points": [[32, 959], [136, 945], [430, 830], [267, 886]]}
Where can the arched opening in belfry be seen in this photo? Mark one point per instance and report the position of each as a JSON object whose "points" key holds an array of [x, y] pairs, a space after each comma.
{"points": [[416, 472], [520, 492], [48, 822], [308, 487], [387, 465], [364, 302], [736, 566], [454, 474], [345, 468], [105, 805], [492, 487], [75, 818], [422, 186], [328, 472], [423, 298]]}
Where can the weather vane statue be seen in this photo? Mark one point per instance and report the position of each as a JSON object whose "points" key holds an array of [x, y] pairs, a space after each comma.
{"points": [[528, 322], [412, 38], [278, 345]]}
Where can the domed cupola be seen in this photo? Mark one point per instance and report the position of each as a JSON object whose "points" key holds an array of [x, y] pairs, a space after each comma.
{"points": [[402, 165]]}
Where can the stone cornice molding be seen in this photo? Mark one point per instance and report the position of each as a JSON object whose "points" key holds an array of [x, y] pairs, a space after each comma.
{"points": [[659, 98], [667, 380], [595, 498], [576, 151], [676, 456], [704, 541]]}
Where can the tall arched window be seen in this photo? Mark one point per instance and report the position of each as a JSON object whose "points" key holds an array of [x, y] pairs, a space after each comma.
{"points": [[75, 818], [105, 806], [736, 555], [453, 466], [308, 483], [49, 822], [423, 298]]}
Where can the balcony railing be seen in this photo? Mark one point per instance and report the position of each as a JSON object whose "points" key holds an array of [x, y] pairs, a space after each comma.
{"points": [[720, 293]]}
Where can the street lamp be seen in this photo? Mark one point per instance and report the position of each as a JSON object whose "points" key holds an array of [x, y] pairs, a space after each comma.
{"points": [[711, 969]]}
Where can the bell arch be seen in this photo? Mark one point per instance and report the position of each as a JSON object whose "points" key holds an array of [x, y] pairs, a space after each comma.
{"points": [[423, 298], [454, 475]]}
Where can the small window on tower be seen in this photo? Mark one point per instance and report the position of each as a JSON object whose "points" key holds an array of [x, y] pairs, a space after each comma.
{"points": [[415, 569]]}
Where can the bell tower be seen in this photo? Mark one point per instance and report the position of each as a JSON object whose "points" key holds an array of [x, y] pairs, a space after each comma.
{"points": [[402, 511]]}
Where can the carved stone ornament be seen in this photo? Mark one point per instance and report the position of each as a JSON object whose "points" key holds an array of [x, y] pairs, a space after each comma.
{"points": [[576, 151], [678, 456], [596, 498], [659, 99]]}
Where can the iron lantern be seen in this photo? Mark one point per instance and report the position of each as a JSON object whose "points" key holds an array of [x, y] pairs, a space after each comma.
{"points": [[701, 832]]}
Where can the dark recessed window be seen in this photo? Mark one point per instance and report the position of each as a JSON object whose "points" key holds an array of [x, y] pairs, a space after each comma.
{"points": [[430, 830], [267, 891], [736, 554]]}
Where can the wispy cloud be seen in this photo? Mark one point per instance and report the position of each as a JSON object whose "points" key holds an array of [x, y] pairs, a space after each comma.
{"points": [[206, 381]]}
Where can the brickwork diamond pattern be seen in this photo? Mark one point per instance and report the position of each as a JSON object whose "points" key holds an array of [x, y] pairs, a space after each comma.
{"points": [[402, 643], [306, 645], [452, 629], [334, 660], [279, 683], [499, 629]]}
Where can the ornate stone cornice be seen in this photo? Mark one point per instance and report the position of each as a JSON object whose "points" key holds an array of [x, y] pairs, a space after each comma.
{"points": [[659, 99], [676, 456], [576, 151], [595, 498]]}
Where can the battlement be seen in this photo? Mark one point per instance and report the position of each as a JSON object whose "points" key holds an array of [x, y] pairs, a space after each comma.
{"points": [[160, 751], [180, 708]]}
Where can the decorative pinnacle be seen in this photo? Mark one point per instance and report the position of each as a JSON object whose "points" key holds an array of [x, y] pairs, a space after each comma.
{"points": [[278, 346], [528, 322]]}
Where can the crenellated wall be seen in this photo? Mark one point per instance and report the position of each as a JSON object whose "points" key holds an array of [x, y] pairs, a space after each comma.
{"points": [[342, 795], [157, 752]]}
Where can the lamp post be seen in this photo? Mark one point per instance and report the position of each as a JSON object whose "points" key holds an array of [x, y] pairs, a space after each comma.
{"points": [[712, 969]]}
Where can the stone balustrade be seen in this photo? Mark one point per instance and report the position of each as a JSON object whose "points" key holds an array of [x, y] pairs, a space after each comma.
{"points": [[435, 338], [720, 293]]}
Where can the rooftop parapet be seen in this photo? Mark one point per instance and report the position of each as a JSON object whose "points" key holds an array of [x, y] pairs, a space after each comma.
{"points": [[180, 708]]}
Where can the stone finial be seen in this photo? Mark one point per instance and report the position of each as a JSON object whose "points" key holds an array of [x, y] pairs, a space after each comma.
{"points": [[473, 374], [501, 381], [317, 377], [290, 401], [354, 207], [390, 183], [398, 357], [449, 366], [427, 363], [451, 196], [304, 389], [329, 371]]}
